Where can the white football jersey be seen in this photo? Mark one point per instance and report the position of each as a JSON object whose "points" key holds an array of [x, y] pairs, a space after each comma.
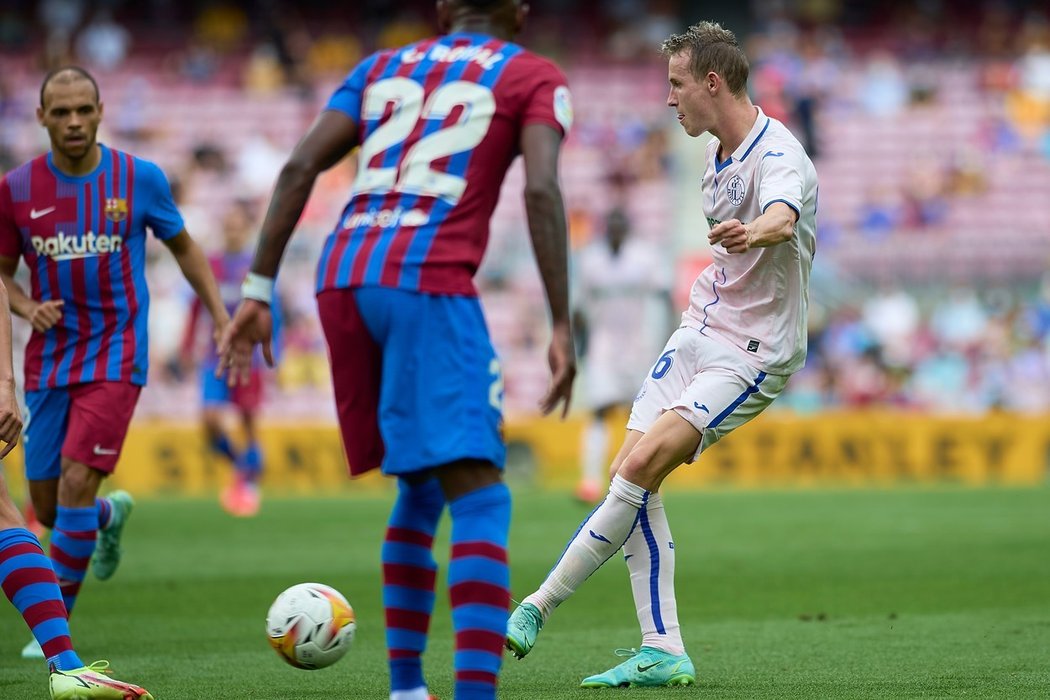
{"points": [[757, 301]]}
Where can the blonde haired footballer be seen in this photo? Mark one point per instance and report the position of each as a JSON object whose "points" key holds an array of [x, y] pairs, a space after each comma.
{"points": [[742, 336]]}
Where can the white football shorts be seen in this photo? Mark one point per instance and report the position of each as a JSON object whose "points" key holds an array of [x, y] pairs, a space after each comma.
{"points": [[706, 382]]}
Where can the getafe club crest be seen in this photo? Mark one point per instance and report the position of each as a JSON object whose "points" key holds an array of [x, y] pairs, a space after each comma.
{"points": [[116, 209], [736, 190]]}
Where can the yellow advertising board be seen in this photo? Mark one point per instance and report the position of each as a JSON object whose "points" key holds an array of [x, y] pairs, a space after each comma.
{"points": [[777, 450], [843, 449]]}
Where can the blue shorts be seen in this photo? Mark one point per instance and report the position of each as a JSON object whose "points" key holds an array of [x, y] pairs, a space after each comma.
{"points": [[86, 423], [417, 382], [214, 390]]}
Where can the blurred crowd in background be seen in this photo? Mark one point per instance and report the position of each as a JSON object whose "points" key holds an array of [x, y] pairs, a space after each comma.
{"points": [[929, 125]]}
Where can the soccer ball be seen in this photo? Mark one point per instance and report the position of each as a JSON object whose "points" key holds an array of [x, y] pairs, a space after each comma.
{"points": [[311, 625]]}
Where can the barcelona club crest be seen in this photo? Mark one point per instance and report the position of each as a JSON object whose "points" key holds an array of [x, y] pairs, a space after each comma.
{"points": [[116, 209]]}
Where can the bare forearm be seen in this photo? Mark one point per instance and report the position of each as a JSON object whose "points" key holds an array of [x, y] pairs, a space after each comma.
{"points": [[772, 228], [7, 372], [195, 269], [20, 303], [546, 213], [289, 199]]}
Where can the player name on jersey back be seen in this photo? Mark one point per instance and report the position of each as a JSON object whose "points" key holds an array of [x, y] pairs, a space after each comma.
{"points": [[440, 122], [440, 53]]}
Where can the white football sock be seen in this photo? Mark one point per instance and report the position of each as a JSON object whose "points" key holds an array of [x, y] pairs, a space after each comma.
{"points": [[595, 447], [600, 536], [649, 553], [419, 693]]}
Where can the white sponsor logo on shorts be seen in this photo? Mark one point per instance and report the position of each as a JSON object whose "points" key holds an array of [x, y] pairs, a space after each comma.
{"points": [[99, 450]]}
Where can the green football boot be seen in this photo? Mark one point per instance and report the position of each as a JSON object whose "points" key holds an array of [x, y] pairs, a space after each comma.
{"points": [[106, 558], [646, 667], [523, 627], [93, 682]]}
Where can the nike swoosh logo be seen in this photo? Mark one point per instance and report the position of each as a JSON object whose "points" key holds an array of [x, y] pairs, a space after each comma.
{"points": [[627, 556], [599, 537], [99, 450], [36, 214], [701, 407], [643, 669]]}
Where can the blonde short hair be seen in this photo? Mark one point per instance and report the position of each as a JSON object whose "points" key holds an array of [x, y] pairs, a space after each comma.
{"points": [[712, 48]]}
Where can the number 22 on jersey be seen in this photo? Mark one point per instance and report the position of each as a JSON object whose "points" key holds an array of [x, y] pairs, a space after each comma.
{"points": [[414, 174]]}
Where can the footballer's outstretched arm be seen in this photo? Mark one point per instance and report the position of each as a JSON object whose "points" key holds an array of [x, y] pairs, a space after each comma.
{"points": [[332, 135], [540, 146]]}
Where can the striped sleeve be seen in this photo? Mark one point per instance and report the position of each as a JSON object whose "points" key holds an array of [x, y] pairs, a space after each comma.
{"points": [[347, 97], [549, 100], [162, 216]]}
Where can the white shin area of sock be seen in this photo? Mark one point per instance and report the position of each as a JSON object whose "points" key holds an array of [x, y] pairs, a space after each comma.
{"points": [[649, 553], [595, 447], [600, 536]]}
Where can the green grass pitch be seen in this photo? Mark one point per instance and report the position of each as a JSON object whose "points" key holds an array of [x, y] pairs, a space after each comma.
{"points": [[912, 593]]}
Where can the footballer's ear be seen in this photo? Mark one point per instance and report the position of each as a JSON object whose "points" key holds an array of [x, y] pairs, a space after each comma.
{"points": [[523, 13], [444, 15]]}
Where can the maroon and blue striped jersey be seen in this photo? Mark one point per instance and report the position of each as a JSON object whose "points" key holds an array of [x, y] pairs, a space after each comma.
{"points": [[84, 241], [440, 123]]}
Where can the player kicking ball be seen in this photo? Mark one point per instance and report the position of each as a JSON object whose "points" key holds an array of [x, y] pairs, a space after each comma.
{"points": [[742, 336]]}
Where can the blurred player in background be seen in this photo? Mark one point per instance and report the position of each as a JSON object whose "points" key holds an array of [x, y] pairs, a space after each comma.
{"points": [[417, 383], [623, 307], [26, 575], [78, 215], [742, 336], [230, 266]]}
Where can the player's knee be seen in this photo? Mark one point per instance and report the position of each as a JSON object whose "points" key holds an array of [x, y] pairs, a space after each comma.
{"points": [[45, 514], [9, 515], [640, 468], [78, 485], [654, 458]]}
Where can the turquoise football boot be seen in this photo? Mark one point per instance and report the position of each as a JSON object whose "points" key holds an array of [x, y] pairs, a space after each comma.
{"points": [[107, 552], [523, 627], [647, 667]]}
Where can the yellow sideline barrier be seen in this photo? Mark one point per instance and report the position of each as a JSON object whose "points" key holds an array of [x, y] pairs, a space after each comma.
{"points": [[847, 449], [837, 449]]}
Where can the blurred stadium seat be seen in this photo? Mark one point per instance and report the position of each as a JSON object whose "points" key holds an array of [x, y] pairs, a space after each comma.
{"points": [[934, 163]]}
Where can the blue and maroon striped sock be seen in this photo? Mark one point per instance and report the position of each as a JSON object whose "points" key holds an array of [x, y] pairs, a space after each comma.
{"points": [[72, 544], [30, 584], [105, 512], [409, 571], [479, 588]]}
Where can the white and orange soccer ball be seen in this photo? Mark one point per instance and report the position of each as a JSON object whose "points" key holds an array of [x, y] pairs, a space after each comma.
{"points": [[311, 625]]}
